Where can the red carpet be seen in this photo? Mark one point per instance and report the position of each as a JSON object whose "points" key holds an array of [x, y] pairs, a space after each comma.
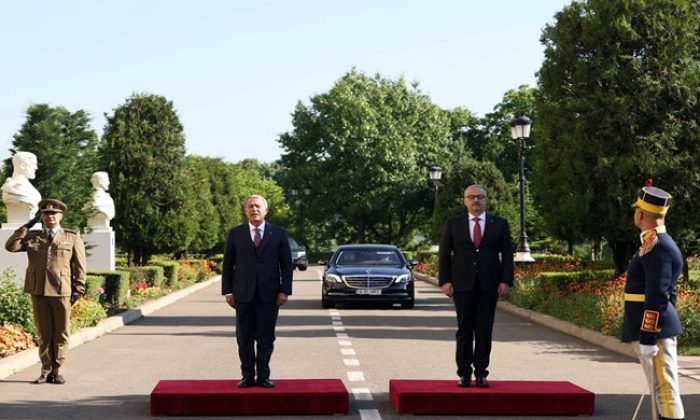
{"points": [[221, 397], [412, 396]]}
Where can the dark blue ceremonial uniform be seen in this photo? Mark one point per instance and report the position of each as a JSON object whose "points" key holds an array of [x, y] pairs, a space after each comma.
{"points": [[654, 275]]}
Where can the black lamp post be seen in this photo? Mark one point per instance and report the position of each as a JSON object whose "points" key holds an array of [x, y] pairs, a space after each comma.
{"points": [[435, 173], [520, 131]]}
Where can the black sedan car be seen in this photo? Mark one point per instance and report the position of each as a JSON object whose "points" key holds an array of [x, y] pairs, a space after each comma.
{"points": [[368, 273]]}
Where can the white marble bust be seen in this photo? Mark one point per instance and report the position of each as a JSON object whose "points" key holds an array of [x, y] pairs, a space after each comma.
{"points": [[19, 195], [102, 205]]}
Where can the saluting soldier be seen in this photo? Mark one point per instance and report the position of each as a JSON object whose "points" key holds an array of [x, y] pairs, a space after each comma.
{"points": [[651, 322], [55, 279]]}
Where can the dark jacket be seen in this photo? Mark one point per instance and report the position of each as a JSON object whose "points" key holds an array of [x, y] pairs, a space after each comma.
{"points": [[461, 263], [654, 275], [269, 267]]}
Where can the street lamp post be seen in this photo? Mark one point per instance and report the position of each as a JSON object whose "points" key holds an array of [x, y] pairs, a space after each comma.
{"points": [[435, 173], [520, 131]]}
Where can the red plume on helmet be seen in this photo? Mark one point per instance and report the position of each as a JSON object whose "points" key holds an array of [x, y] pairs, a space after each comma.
{"points": [[649, 182]]}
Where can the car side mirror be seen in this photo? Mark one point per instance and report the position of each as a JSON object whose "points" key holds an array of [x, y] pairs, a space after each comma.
{"points": [[412, 263], [323, 262], [302, 248]]}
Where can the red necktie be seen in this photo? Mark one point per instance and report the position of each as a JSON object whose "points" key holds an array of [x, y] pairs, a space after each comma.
{"points": [[477, 232], [257, 239]]}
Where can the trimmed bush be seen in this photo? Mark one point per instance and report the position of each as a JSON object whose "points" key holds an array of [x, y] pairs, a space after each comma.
{"points": [[563, 280], [170, 269], [217, 263], [154, 275], [116, 287], [95, 286]]}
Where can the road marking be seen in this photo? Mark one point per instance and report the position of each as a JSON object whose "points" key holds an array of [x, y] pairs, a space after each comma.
{"points": [[337, 323], [370, 415], [341, 335], [334, 312], [351, 362], [338, 328], [344, 343], [356, 376], [335, 318], [362, 394], [348, 352]]}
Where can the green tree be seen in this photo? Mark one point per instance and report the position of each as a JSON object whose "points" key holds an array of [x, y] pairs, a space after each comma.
{"points": [[66, 151], [250, 178], [143, 150], [618, 103], [364, 149]]}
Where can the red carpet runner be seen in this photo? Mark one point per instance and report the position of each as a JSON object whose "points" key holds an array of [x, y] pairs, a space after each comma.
{"points": [[502, 398], [221, 397]]}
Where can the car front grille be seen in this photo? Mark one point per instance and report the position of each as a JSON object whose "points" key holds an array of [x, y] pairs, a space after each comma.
{"points": [[368, 281]]}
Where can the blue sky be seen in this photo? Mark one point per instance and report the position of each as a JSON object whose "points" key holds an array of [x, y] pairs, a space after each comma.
{"points": [[235, 69]]}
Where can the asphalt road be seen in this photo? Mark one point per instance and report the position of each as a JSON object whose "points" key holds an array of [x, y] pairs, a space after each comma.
{"points": [[111, 377]]}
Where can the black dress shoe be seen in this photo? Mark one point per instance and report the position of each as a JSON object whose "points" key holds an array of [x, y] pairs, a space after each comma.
{"points": [[266, 383], [464, 382], [246, 382], [58, 380], [481, 382]]}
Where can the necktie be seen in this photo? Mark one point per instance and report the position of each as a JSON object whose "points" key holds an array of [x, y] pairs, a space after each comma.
{"points": [[257, 239], [477, 232], [49, 235]]}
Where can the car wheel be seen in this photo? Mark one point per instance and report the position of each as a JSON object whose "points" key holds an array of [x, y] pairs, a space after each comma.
{"points": [[302, 267], [408, 305]]}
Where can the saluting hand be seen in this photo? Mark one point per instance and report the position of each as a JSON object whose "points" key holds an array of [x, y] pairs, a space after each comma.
{"points": [[33, 221]]}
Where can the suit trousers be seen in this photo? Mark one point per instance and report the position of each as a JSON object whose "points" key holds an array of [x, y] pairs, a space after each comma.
{"points": [[52, 321], [476, 310], [255, 324], [663, 376]]}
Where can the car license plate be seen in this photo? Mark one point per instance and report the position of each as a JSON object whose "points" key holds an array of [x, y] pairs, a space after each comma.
{"points": [[369, 291]]}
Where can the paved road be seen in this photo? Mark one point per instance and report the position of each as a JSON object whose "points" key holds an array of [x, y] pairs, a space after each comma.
{"points": [[112, 376]]}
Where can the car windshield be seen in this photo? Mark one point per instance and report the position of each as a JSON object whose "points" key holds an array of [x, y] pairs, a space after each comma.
{"points": [[368, 257]]}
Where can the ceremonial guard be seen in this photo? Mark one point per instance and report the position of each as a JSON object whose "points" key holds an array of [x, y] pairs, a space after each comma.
{"points": [[55, 279], [651, 322]]}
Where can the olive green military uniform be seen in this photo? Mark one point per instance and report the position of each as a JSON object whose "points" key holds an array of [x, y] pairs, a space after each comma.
{"points": [[56, 269]]}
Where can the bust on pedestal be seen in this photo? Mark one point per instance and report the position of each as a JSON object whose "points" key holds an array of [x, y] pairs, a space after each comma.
{"points": [[99, 232], [22, 202], [19, 195]]}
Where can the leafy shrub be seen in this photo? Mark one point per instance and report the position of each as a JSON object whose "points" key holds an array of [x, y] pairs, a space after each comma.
{"points": [[15, 305], [563, 280], [116, 287], [86, 313], [154, 275], [217, 263], [170, 269], [141, 296]]}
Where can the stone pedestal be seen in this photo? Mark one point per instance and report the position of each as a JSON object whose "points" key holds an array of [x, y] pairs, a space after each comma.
{"points": [[15, 260], [99, 245]]}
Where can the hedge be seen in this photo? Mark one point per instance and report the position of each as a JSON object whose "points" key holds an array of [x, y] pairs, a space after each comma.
{"points": [[93, 282], [116, 287], [562, 280], [170, 269]]}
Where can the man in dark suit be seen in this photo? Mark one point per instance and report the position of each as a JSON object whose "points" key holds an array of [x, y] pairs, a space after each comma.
{"points": [[476, 267], [256, 280], [651, 321]]}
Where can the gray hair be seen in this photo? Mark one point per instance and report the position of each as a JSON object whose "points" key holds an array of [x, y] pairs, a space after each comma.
{"points": [[260, 197]]}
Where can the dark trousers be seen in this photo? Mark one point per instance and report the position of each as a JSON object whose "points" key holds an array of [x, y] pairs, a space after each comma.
{"points": [[476, 310], [255, 324]]}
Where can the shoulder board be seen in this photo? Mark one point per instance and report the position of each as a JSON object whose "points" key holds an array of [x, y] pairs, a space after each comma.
{"points": [[70, 231], [650, 241]]}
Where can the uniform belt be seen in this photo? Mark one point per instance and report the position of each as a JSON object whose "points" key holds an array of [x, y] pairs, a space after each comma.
{"points": [[634, 297]]}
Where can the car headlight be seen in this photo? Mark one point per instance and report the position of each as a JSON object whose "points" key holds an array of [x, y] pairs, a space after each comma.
{"points": [[403, 278], [333, 278]]}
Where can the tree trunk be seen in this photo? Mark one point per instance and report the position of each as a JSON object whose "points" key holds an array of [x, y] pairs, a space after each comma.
{"points": [[361, 232]]}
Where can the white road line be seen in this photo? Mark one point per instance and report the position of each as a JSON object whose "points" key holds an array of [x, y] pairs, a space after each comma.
{"points": [[337, 323], [362, 394], [341, 335], [335, 318], [356, 376], [334, 312], [348, 352], [338, 328], [370, 415], [344, 343], [351, 362]]}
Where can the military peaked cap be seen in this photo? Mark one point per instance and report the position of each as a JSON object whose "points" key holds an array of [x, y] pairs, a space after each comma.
{"points": [[52, 205]]}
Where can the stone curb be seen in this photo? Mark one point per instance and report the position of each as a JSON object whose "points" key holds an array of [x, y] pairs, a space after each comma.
{"points": [[585, 334], [22, 360]]}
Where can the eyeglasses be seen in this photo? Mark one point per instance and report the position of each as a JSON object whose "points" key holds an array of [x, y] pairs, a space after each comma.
{"points": [[475, 197]]}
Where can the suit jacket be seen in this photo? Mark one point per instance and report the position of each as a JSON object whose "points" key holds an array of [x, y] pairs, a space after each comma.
{"points": [[461, 263], [653, 275], [54, 268], [268, 267]]}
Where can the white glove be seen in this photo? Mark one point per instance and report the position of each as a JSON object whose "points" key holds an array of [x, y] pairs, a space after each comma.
{"points": [[648, 351]]}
